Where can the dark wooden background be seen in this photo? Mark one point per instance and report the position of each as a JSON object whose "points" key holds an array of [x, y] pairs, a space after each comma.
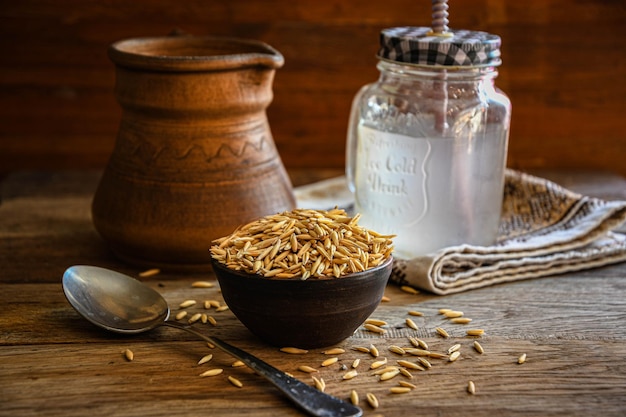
{"points": [[564, 69]]}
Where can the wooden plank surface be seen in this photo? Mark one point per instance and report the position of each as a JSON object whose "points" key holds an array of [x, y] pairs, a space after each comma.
{"points": [[54, 363], [563, 67]]}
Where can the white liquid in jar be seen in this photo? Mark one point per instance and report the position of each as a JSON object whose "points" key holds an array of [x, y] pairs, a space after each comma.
{"points": [[431, 192]]}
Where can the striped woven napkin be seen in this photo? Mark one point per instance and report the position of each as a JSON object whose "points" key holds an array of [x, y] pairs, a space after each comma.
{"points": [[545, 230]]}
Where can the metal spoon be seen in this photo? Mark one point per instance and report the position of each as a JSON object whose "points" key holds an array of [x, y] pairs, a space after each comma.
{"points": [[122, 304]]}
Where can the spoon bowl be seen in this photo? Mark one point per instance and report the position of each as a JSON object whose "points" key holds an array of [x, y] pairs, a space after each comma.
{"points": [[122, 304], [118, 303]]}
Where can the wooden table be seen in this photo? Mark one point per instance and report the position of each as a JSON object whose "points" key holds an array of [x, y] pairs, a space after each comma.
{"points": [[572, 329]]}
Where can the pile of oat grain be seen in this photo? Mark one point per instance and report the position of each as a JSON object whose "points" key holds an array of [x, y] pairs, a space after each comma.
{"points": [[303, 243]]}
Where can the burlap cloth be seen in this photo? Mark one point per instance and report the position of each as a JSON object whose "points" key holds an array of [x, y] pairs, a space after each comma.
{"points": [[545, 229]]}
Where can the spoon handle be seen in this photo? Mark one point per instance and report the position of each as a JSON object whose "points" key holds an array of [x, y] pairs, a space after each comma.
{"points": [[310, 399]]}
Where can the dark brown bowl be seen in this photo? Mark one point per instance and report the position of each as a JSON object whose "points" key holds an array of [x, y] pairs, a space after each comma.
{"points": [[306, 314]]}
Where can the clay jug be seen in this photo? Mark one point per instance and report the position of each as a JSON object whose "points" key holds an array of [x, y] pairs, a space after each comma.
{"points": [[194, 157]]}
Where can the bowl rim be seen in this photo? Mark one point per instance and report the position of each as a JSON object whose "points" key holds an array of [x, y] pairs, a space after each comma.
{"points": [[257, 277]]}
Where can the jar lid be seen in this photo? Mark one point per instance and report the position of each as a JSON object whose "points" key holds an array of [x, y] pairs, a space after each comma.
{"points": [[421, 46]]}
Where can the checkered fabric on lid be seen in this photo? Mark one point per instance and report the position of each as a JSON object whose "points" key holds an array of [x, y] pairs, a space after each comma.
{"points": [[418, 45]]}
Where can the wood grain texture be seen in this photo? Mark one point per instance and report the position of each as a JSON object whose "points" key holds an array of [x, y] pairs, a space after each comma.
{"points": [[575, 362], [54, 363], [563, 69]]}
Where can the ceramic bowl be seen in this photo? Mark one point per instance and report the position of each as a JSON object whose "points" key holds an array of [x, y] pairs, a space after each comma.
{"points": [[312, 313]]}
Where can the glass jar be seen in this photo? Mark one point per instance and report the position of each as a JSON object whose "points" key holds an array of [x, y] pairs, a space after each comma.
{"points": [[427, 143]]}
